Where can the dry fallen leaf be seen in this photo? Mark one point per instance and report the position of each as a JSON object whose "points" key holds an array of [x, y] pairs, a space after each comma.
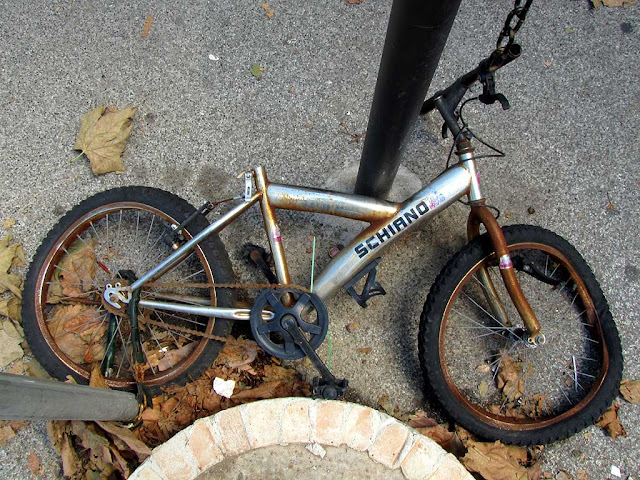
{"points": [[8, 253], [268, 9], [79, 330], [612, 3], [354, 2], [33, 462], [103, 136], [582, 475], [445, 438], [10, 349], [611, 423], [8, 223], [147, 26], [351, 327], [6, 434], [97, 379], [126, 435], [496, 461], [364, 351], [630, 390], [11, 308]]}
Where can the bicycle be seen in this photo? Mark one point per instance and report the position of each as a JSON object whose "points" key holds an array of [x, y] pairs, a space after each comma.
{"points": [[516, 338]]}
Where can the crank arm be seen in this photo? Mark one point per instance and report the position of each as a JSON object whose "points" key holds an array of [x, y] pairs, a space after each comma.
{"points": [[291, 326]]}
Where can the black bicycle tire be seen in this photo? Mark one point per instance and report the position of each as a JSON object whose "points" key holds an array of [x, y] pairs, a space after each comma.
{"points": [[213, 250], [430, 323]]}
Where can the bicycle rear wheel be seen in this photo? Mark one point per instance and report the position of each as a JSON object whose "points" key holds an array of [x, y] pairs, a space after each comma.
{"points": [[65, 319], [481, 367]]}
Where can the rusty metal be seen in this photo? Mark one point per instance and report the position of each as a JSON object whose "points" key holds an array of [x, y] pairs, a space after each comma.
{"points": [[271, 227], [480, 214], [65, 240], [356, 207], [514, 423]]}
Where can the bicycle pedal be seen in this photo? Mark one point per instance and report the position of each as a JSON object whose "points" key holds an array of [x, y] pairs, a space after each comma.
{"points": [[371, 287], [329, 390], [258, 257]]}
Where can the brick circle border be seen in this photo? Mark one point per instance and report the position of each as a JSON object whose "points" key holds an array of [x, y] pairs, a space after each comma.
{"points": [[286, 421]]}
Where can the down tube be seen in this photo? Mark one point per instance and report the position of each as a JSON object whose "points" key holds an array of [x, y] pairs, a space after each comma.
{"points": [[370, 243]]}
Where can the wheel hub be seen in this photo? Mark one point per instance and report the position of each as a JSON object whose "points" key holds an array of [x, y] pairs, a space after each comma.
{"points": [[114, 297]]}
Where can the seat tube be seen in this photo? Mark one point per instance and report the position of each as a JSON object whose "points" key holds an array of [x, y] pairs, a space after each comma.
{"points": [[272, 228]]}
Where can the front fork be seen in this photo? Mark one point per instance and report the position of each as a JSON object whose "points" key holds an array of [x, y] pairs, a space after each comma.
{"points": [[481, 215]]}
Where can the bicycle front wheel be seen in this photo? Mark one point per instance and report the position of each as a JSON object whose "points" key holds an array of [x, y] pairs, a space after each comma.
{"points": [[113, 235], [475, 356]]}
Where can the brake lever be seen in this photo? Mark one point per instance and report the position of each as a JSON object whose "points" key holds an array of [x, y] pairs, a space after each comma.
{"points": [[489, 95]]}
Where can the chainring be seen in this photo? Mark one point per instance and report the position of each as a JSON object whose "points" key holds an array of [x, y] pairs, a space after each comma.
{"points": [[310, 314]]}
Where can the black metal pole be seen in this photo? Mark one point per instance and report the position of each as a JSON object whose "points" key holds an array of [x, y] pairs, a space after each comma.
{"points": [[416, 35]]}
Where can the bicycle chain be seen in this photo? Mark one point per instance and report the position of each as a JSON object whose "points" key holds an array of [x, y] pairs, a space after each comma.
{"points": [[519, 12], [210, 336]]}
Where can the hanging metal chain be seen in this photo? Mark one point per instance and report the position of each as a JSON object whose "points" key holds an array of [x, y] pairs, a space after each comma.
{"points": [[514, 21]]}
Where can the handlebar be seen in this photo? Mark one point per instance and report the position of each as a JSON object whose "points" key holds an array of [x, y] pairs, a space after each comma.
{"points": [[446, 101]]}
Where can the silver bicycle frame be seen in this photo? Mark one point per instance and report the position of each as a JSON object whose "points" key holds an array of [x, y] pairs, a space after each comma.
{"points": [[388, 222]]}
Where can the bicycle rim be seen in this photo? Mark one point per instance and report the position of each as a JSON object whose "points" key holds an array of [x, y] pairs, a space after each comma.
{"points": [[94, 251], [489, 366]]}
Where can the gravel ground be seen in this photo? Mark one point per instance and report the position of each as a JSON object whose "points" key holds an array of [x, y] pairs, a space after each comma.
{"points": [[202, 118]]}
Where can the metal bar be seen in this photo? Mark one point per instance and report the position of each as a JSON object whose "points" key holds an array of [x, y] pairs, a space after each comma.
{"points": [[371, 242], [272, 228], [481, 214], [356, 207], [26, 398], [416, 35], [218, 312], [178, 255]]}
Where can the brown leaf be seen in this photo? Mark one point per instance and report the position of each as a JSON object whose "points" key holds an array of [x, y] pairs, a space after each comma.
{"points": [[613, 3], [6, 434], [173, 357], [354, 2], [420, 420], [252, 353], [268, 10], [124, 434], [147, 26], [103, 136], [582, 475], [630, 390], [10, 349], [266, 390], [510, 379], [79, 331], [445, 438], [8, 223], [8, 252], [495, 461], [97, 379], [75, 277], [364, 351], [611, 423], [71, 464], [352, 327], [33, 462], [18, 424], [11, 308]]}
